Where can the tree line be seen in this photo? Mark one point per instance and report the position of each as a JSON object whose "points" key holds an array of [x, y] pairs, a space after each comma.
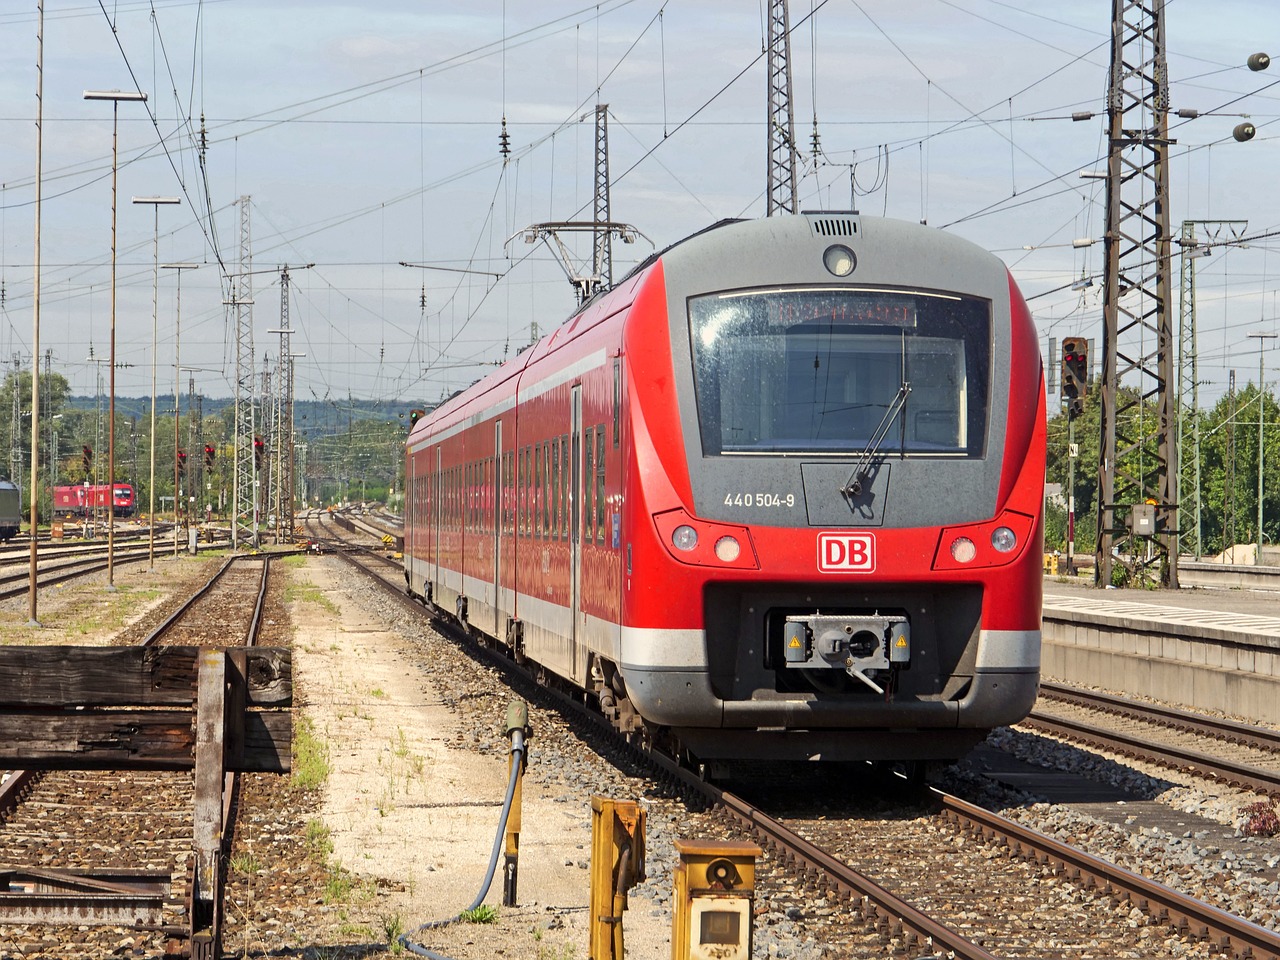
{"points": [[1227, 490]]}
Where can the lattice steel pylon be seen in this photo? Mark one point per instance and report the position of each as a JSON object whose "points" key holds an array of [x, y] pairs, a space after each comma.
{"points": [[284, 443], [602, 247], [780, 183], [245, 484], [1138, 460]]}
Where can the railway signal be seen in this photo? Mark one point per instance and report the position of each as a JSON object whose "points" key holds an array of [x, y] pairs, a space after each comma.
{"points": [[182, 463], [259, 452], [1075, 371], [210, 451], [86, 458]]}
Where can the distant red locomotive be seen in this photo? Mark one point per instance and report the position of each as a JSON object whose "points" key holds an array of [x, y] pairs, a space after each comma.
{"points": [[776, 495], [83, 499]]}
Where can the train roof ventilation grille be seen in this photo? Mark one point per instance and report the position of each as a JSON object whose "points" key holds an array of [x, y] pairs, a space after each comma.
{"points": [[834, 226]]}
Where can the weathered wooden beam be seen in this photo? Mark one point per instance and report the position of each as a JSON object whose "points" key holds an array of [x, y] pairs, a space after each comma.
{"points": [[206, 889], [133, 740], [62, 676]]}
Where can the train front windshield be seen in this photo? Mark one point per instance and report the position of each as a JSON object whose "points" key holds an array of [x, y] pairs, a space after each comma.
{"points": [[830, 370]]}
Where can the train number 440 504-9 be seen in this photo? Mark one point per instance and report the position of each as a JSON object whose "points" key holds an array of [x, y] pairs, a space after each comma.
{"points": [[759, 499]]}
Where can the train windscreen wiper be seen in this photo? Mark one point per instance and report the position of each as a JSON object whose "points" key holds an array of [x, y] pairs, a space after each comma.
{"points": [[853, 487]]}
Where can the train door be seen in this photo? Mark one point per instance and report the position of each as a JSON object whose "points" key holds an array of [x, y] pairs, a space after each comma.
{"points": [[495, 522], [575, 521]]}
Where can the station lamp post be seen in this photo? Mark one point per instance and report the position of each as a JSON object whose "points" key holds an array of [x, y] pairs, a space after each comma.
{"points": [[115, 96], [155, 203], [177, 390]]}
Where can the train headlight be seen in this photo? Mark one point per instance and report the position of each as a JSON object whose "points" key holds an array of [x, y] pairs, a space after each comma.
{"points": [[1003, 539], [727, 549], [839, 260], [963, 550], [684, 537]]}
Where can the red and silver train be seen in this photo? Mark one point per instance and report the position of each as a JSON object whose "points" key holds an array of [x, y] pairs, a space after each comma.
{"points": [[776, 495], [81, 500]]}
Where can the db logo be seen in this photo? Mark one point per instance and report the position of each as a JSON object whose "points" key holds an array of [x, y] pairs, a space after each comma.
{"points": [[846, 552]]}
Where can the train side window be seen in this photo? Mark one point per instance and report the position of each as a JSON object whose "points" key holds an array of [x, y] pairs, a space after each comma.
{"points": [[506, 491], [564, 489], [600, 484], [526, 481], [588, 471], [617, 401], [538, 484], [555, 490], [546, 493]]}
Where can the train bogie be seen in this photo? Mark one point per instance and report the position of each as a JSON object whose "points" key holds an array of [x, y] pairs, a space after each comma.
{"points": [[776, 495]]}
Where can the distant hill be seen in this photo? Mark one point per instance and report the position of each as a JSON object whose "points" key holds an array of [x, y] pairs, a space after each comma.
{"points": [[318, 416]]}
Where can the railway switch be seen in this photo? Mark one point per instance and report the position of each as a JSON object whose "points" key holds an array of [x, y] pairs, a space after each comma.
{"points": [[518, 732], [617, 864], [714, 893]]}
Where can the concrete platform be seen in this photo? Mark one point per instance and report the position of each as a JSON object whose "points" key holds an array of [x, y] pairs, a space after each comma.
{"points": [[1216, 650]]}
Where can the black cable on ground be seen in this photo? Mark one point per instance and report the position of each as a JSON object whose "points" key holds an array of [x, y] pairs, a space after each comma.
{"points": [[517, 761]]}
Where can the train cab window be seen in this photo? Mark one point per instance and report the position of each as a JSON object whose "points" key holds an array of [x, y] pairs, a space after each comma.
{"points": [[599, 483], [588, 471], [825, 370]]}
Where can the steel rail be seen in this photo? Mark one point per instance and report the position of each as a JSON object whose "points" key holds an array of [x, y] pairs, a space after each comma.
{"points": [[12, 792], [1235, 774], [81, 570], [1243, 938], [1259, 738], [876, 904], [168, 623]]}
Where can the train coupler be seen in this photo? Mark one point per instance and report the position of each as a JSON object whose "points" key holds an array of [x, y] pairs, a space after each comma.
{"points": [[860, 644]]}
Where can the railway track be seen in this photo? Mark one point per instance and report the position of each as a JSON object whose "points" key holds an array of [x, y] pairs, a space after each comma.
{"points": [[1242, 755], [133, 821], [68, 564], [1026, 893]]}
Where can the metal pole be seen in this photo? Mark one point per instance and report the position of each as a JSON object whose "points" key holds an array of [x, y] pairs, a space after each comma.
{"points": [[1261, 337], [1071, 488], [115, 96], [32, 602], [177, 390], [155, 346], [111, 402]]}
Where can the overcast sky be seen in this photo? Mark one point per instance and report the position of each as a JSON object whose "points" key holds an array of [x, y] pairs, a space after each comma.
{"points": [[366, 134]]}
